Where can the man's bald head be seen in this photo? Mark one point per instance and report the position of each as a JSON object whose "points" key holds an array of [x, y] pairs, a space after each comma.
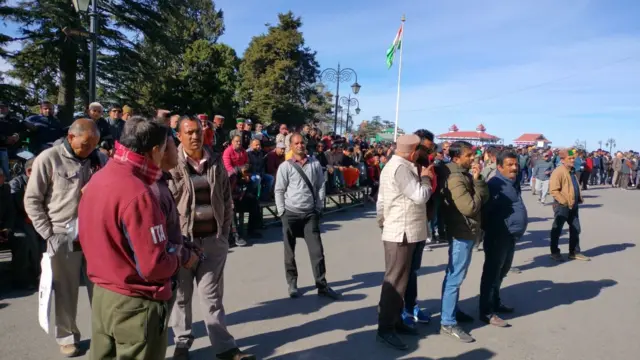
{"points": [[82, 125]]}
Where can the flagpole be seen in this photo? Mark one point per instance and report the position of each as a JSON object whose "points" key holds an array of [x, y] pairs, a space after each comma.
{"points": [[395, 132]]}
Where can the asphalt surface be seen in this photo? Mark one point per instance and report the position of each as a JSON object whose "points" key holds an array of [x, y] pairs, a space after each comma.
{"points": [[571, 310]]}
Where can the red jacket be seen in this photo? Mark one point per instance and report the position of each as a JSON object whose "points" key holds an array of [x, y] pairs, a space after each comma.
{"points": [[589, 164], [123, 234], [234, 159]]}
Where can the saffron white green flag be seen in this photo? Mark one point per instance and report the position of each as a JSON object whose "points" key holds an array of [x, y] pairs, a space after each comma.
{"points": [[395, 46]]}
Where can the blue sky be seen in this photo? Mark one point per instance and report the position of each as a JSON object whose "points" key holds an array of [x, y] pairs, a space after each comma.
{"points": [[569, 69]]}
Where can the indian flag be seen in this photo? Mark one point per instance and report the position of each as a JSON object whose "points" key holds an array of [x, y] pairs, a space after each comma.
{"points": [[395, 46]]}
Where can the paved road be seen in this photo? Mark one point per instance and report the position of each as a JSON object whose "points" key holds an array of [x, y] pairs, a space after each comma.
{"points": [[573, 310]]}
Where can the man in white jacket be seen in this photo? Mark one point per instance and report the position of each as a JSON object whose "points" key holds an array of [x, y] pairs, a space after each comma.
{"points": [[401, 215]]}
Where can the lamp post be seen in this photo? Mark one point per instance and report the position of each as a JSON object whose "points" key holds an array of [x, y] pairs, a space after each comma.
{"points": [[348, 101], [82, 6], [338, 76]]}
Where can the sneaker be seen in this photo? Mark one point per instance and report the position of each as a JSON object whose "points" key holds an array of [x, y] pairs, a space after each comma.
{"points": [[70, 350], [557, 257], [421, 316], [293, 291], [457, 333], [427, 248], [238, 240], [408, 319], [515, 270], [579, 256]]}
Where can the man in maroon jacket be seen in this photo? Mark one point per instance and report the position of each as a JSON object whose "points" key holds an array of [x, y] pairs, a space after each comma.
{"points": [[129, 259]]}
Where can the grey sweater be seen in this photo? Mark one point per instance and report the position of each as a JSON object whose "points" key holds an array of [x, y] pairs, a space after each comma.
{"points": [[291, 191], [540, 168]]}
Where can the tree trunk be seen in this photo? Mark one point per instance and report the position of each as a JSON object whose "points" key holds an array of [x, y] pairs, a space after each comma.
{"points": [[68, 72]]}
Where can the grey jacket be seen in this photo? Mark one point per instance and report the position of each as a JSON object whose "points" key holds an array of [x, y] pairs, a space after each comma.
{"points": [[54, 188], [540, 169], [291, 191], [489, 171]]}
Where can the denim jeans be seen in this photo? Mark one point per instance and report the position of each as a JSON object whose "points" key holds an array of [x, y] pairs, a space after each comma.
{"points": [[4, 164], [460, 252], [411, 294], [264, 184]]}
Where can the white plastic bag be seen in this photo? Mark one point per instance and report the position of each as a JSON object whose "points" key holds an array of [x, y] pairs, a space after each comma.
{"points": [[44, 293]]}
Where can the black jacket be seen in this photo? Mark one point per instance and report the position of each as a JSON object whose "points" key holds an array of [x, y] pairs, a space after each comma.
{"points": [[18, 186], [256, 159], [7, 210]]}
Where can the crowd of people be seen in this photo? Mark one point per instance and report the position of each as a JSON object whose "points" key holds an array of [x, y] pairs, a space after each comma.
{"points": [[176, 184]]}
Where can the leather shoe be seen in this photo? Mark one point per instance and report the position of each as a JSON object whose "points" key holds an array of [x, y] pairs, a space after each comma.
{"points": [[293, 291], [235, 354], [495, 321], [392, 340], [330, 293]]}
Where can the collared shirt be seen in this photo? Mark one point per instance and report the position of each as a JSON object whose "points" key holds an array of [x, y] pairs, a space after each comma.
{"points": [[198, 166]]}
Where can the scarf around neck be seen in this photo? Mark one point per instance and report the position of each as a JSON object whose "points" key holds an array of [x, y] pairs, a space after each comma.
{"points": [[150, 172]]}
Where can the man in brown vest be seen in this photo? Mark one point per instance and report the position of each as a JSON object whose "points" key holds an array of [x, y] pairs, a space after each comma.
{"points": [[200, 186]]}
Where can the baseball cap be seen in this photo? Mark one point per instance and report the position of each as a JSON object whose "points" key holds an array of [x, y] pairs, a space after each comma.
{"points": [[280, 146]]}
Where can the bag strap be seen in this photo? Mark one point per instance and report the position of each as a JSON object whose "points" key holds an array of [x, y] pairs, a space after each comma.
{"points": [[306, 180]]}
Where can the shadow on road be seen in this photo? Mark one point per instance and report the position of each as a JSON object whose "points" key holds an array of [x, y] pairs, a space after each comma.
{"points": [[546, 261], [533, 297], [538, 219], [590, 206]]}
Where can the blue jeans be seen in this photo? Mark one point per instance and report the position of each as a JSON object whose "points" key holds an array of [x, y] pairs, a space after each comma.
{"points": [[4, 164], [459, 260], [264, 184]]}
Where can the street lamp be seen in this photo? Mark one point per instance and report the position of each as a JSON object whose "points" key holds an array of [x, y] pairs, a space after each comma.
{"points": [[338, 76], [82, 6], [349, 102]]}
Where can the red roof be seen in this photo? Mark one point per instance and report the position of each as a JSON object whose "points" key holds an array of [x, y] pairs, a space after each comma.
{"points": [[531, 138], [468, 135]]}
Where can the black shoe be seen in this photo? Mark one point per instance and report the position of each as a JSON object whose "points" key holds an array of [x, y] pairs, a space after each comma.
{"points": [[457, 333], [235, 354], [293, 291], [463, 318], [181, 353], [330, 293], [392, 340], [404, 329], [504, 309]]}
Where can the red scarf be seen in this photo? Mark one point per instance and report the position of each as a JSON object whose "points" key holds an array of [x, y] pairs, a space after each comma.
{"points": [[150, 172]]}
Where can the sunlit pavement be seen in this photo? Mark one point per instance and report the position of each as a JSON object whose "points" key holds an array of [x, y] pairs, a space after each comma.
{"points": [[571, 310]]}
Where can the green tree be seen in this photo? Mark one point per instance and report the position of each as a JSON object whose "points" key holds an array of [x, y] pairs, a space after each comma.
{"points": [[53, 65], [277, 73]]}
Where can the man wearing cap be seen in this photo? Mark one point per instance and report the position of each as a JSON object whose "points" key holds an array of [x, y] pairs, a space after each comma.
{"points": [[127, 112], [401, 215], [245, 136], [273, 159], [207, 129], [96, 113], [565, 189], [542, 173], [220, 136]]}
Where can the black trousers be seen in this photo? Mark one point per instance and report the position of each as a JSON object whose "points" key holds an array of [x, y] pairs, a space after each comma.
{"points": [[562, 215], [498, 256], [411, 294], [296, 225], [26, 253], [397, 261], [584, 179]]}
